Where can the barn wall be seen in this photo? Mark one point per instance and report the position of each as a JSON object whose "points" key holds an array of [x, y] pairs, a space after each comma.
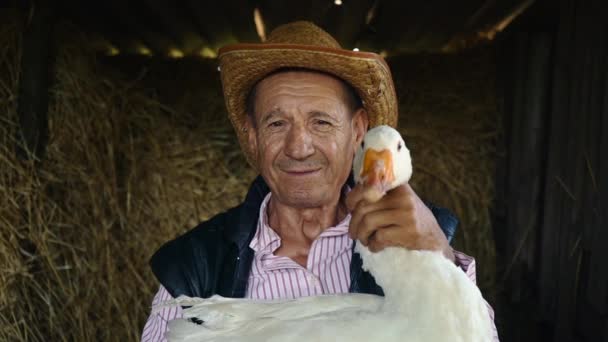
{"points": [[554, 188]]}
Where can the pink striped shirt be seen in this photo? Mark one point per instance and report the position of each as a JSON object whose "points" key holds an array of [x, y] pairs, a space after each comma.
{"points": [[273, 277], [277, 277]]}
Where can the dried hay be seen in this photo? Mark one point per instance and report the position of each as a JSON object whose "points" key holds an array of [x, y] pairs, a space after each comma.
{"points": [[124, 173]]}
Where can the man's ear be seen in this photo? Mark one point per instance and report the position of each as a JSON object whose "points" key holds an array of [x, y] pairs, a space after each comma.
{"points": [[360, 124]]}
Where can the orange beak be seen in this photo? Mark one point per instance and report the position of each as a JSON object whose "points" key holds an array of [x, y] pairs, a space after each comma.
{"points": [[378, 169]]}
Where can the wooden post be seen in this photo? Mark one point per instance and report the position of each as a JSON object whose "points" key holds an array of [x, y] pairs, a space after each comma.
{"points": [[526, 144], [34, 81]]}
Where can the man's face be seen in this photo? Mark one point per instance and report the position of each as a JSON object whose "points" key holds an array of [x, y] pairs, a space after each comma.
{"points": [[305, 136]]}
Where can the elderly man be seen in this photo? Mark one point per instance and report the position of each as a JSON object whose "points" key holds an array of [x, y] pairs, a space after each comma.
{"points": [[300, 106]]}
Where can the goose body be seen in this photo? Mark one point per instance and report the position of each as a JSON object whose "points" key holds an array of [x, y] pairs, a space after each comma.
{"points": [[427, 297]]}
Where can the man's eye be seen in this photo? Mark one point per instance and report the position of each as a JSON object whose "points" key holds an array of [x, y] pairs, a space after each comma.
{"points": [[275, 124], [323, 122]]}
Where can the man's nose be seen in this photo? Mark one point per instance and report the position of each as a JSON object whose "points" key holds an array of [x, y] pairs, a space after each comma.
{"points": [[299, 144]]}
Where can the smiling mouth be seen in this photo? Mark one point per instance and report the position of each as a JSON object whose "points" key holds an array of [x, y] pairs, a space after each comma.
{"points": [[301, 172]]}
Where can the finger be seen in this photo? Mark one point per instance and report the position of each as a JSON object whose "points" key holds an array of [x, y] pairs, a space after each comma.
{"points": [[401, 196], [362, 208], [385, 237], [405, 188], [359, 193], [354, 197], [375, 220]]}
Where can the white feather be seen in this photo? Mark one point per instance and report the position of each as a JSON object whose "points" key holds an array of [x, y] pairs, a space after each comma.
{"points": [[427, 298]]}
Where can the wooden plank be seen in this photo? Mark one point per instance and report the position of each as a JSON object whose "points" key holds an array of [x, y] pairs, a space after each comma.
{"points": [[554, 196], [572, 273], [590, 323], [526, 150], [506, 68], [601, 240], [34, 82], [568, 168], [573, 254], [597, 233], [574, 172]]}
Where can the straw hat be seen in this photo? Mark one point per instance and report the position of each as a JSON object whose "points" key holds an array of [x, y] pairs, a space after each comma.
{"points": [[304, 45]]}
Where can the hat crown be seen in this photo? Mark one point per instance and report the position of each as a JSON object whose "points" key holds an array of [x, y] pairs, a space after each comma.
{"points": [[302, 33]]}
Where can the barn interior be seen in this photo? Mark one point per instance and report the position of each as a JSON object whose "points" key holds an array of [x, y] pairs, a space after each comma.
{"points": [[114, 139]]}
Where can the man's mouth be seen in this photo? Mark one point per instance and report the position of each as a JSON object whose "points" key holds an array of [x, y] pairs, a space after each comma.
{"points": [[301, 172]]}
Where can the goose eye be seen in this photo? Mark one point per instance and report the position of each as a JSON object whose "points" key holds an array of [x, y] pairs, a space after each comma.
{"points": [[399, 146]]}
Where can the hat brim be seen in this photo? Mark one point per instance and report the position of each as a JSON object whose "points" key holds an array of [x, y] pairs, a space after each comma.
{"points": [[243, 65]]}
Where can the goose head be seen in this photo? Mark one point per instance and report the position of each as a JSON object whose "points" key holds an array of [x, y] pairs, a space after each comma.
{"points": [[382, 161]]}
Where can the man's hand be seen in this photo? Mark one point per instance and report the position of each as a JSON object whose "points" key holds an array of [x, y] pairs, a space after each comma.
{"points": [[399, 218]]}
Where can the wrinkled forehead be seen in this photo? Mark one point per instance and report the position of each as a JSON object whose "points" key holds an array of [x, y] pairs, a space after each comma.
{"points": [[299, 79], [300, 83]]}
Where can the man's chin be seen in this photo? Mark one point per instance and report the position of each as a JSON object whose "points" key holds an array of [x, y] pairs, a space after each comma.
{"points": [[302, 198], [309, 191]]}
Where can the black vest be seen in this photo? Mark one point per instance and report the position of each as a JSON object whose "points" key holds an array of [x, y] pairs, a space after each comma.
{"points": [[215, 258]]}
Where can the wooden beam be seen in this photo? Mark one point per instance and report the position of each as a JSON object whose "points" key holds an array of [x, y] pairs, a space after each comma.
{"points": [[127, 16], [212, 22], [480, 13], [183, 32], [34, 81], [240, 16], [393, 20], [347, 21], [483, 26], [98, 20], [276, 13]]}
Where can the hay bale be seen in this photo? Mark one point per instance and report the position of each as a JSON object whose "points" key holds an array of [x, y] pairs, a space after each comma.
{"points": [[122, 174], [128, 168], [449, 116]]}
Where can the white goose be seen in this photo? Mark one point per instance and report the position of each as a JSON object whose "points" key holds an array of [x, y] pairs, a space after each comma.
{"points": [[427, 298]]}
